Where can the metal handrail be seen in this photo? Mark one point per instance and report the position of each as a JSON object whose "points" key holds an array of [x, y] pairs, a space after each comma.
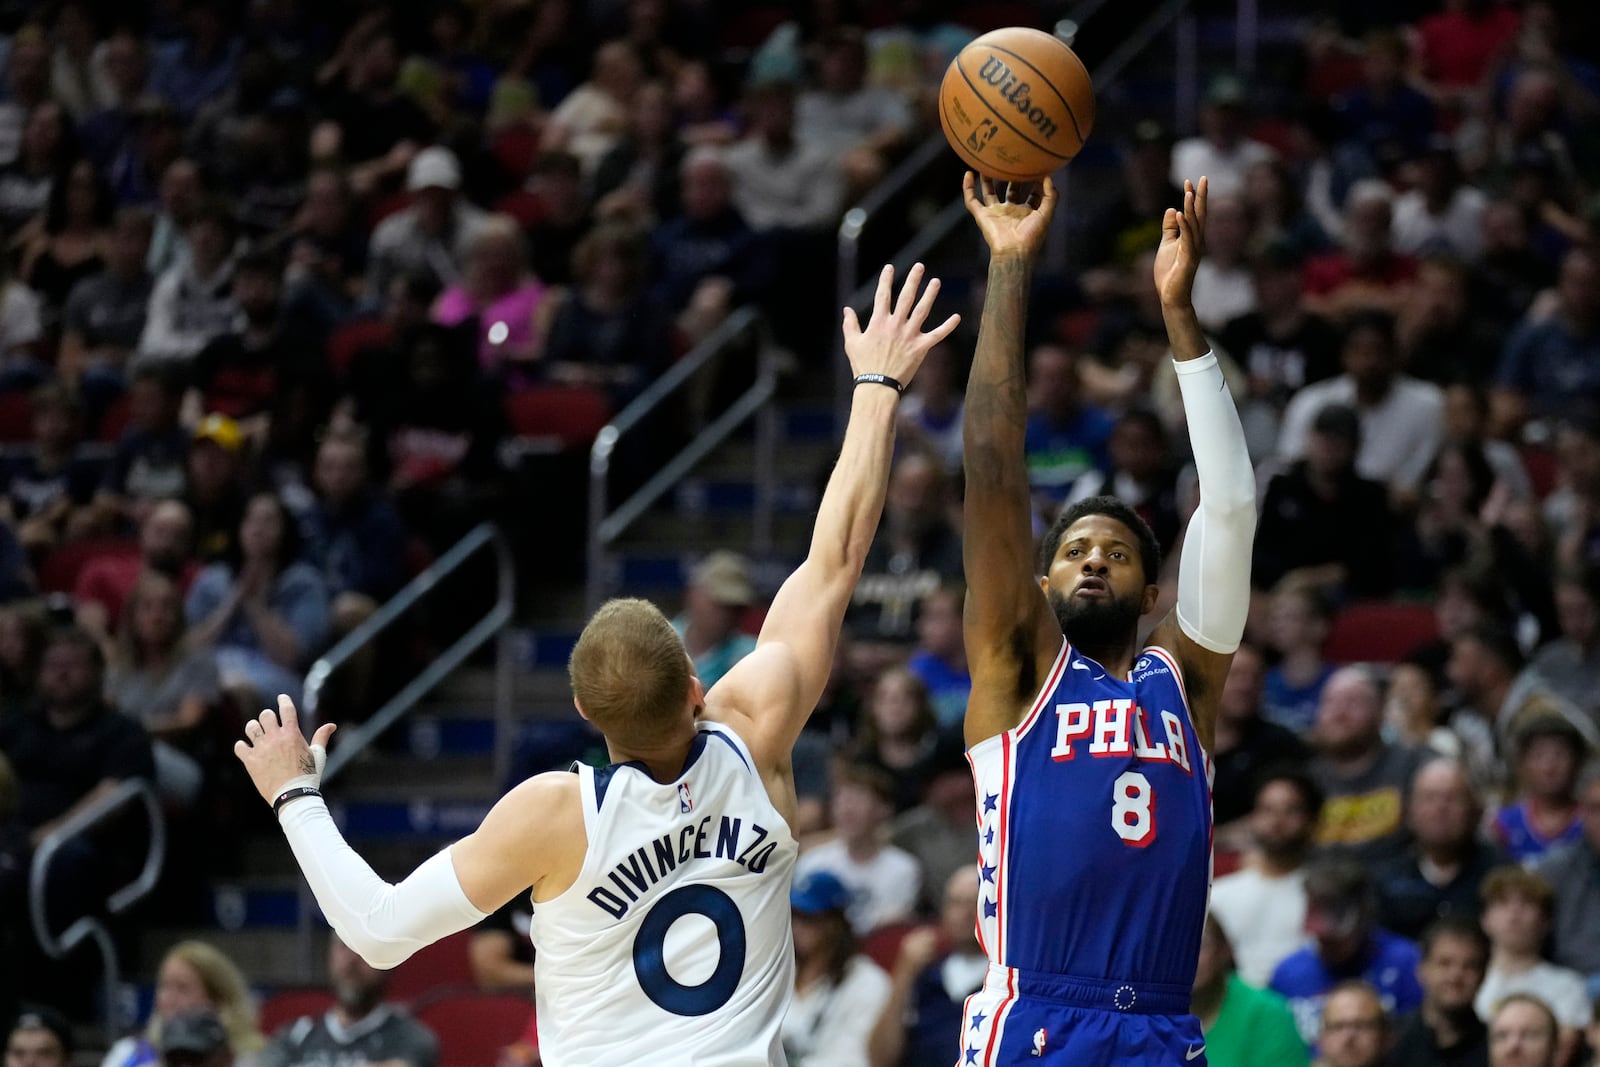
{"points": [[356, 739], [607, 524], [89, 927]]}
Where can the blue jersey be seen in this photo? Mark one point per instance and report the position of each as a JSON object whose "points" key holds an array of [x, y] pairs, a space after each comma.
{"points": [[1514, 829], [1390, 964], [1094, 824]]}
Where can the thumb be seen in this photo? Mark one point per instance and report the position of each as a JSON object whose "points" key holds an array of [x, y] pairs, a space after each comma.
{"points": [[319, 745], [852, 324]]}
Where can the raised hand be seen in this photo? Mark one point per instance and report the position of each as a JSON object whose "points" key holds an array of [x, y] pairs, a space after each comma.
{"points": [[1183, 243], [893, 342], [1014, 223], [275, 752]]}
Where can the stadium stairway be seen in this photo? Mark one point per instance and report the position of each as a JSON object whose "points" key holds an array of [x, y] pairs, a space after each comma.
{"points": [[434, 779]]}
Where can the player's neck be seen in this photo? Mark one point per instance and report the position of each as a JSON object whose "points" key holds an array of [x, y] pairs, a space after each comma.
{"points": [[663, 760], [1116, 659]]}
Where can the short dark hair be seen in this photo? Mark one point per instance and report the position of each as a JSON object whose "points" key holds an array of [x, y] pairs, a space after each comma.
{"points": [[1460, 928], [1500, 644], [1312, 795], [78, 638], [1111, 508]]}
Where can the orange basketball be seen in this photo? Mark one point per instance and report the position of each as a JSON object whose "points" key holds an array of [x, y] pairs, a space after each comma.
{"points": [[1016, 104]]}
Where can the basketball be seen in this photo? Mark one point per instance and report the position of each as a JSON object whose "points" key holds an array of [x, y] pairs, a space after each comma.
{"points": [[1016, 104]]}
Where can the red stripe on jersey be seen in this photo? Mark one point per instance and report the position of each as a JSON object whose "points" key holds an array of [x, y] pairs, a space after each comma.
{"points": [[1049, 687]]}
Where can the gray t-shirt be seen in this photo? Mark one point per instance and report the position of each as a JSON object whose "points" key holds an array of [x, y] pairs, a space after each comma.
{"points": [[1364, 816], [388, 1033], [107, 310], [148, 697]]}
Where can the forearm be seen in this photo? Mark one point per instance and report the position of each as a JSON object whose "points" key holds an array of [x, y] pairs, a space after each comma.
{"points": [[383, 923], [995, 419], [1214, 572], [887, 1042], [847, 518], [277, 637]]}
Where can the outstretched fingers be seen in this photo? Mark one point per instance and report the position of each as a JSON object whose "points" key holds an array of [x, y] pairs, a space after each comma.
{"points": [[908, 290], [919, 314], [881, 300], [943, 330]]}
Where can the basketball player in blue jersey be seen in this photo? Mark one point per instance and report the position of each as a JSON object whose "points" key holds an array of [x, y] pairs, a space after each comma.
{"points": [[660, 883], [1088, 746]]}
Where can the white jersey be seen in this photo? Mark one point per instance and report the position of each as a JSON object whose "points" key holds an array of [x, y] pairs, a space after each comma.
{"points": [[673, 946]]}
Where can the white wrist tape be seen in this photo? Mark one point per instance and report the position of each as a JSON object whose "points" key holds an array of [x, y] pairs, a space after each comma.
{"points": [[319, 756], [1214, 573], [383, 923]]}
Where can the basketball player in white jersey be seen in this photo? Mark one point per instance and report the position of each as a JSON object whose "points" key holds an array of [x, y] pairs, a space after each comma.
{"points": [[660, 883]]}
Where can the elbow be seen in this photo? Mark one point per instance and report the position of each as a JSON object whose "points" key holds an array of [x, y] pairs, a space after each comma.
{"points": [[384, 955]]}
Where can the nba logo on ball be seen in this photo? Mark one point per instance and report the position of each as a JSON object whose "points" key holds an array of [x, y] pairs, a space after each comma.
{"points": [[685, 801], [1016, 104]]}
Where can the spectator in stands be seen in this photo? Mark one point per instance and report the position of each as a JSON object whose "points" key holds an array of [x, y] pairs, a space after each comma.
{"points": [[353, 534], [1355, 1026], [1066, 437], [1548, 753], [123, 69], [501, 949], [1552, 363], [1523, 1033], [1223, 151], [1574, 874], [930, 411], [428, 236], [1245, 744], [900, 734], [937, 833], [1412, 711], [15, 854], [70, 241], [503, 298], [1321, 521], [708, 260], [838, 993], [1386, 120], [590, 120], [1243, 1024], [917, 549], [1347, 942], [214, 478], [265, 610], [366, 121], [1402, 419], [160, 680], [201, 65], [1300, 621], [1440, 215], [1441, 873], [1364, 777], [23, 631], [1446, 1029], [720, 590], [21, 333], [27, 84], [105, 313], [1518, 906], [181, 194], [883, 882], [361, 1027], [553, 209], [1365, 274], [1262, 908], [194, 976], [1141, 471], [937, 968], [1569, 666], [50, 486], [326, 248], [607, 331], [1446, 339], [637, 179], [1484, 667], [192, 303], [166, 538], [39, 1037], [865, 126], [782, 181], [1280, 345], [1222, 284], [940, 659], [43, 156], [1572, 511]]}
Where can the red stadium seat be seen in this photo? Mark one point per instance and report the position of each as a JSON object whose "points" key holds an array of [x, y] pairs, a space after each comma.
{"points": [[59, 572], [16, 417], [347, 340], [285, 1007], [568, 415], [1540, 463], [1379, 631], [115, 419], [443, 967], [882, 946], [472, 1028]]}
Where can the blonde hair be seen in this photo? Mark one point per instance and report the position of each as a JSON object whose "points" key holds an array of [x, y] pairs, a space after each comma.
{"points": [[630, 671], [226, 989]]}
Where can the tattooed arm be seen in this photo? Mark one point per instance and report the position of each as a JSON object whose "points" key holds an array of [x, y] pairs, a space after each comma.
{"points": [[1011, 635]]}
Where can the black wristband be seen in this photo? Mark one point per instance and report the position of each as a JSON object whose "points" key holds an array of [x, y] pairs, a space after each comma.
{"points": [[874, 378], [294, 794]]}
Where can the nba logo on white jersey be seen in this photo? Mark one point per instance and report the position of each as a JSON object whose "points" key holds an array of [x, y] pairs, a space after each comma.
{"points": [[1040, 1036], [685, 801]]}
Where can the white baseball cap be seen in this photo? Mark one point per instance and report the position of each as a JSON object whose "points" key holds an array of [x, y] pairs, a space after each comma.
{"points": [[434, 167]]}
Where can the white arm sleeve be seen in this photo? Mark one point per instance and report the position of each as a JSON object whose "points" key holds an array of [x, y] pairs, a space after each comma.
{"points": [[1214, 573], [382, 923]]}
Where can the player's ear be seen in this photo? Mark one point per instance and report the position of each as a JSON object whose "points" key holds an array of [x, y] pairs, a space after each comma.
{"points": [[1044, 584], [579, 706], [1152, 593]]}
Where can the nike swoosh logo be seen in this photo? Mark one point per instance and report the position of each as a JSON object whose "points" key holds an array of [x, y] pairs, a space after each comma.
{"points": [[1194, 1052]]}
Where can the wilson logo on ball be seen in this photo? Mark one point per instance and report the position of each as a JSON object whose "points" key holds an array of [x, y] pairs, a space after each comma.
{"points": [[1014, 91]]}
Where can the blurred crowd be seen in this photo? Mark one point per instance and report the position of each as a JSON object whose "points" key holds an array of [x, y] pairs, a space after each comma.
{"points": [[278, 281]]}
